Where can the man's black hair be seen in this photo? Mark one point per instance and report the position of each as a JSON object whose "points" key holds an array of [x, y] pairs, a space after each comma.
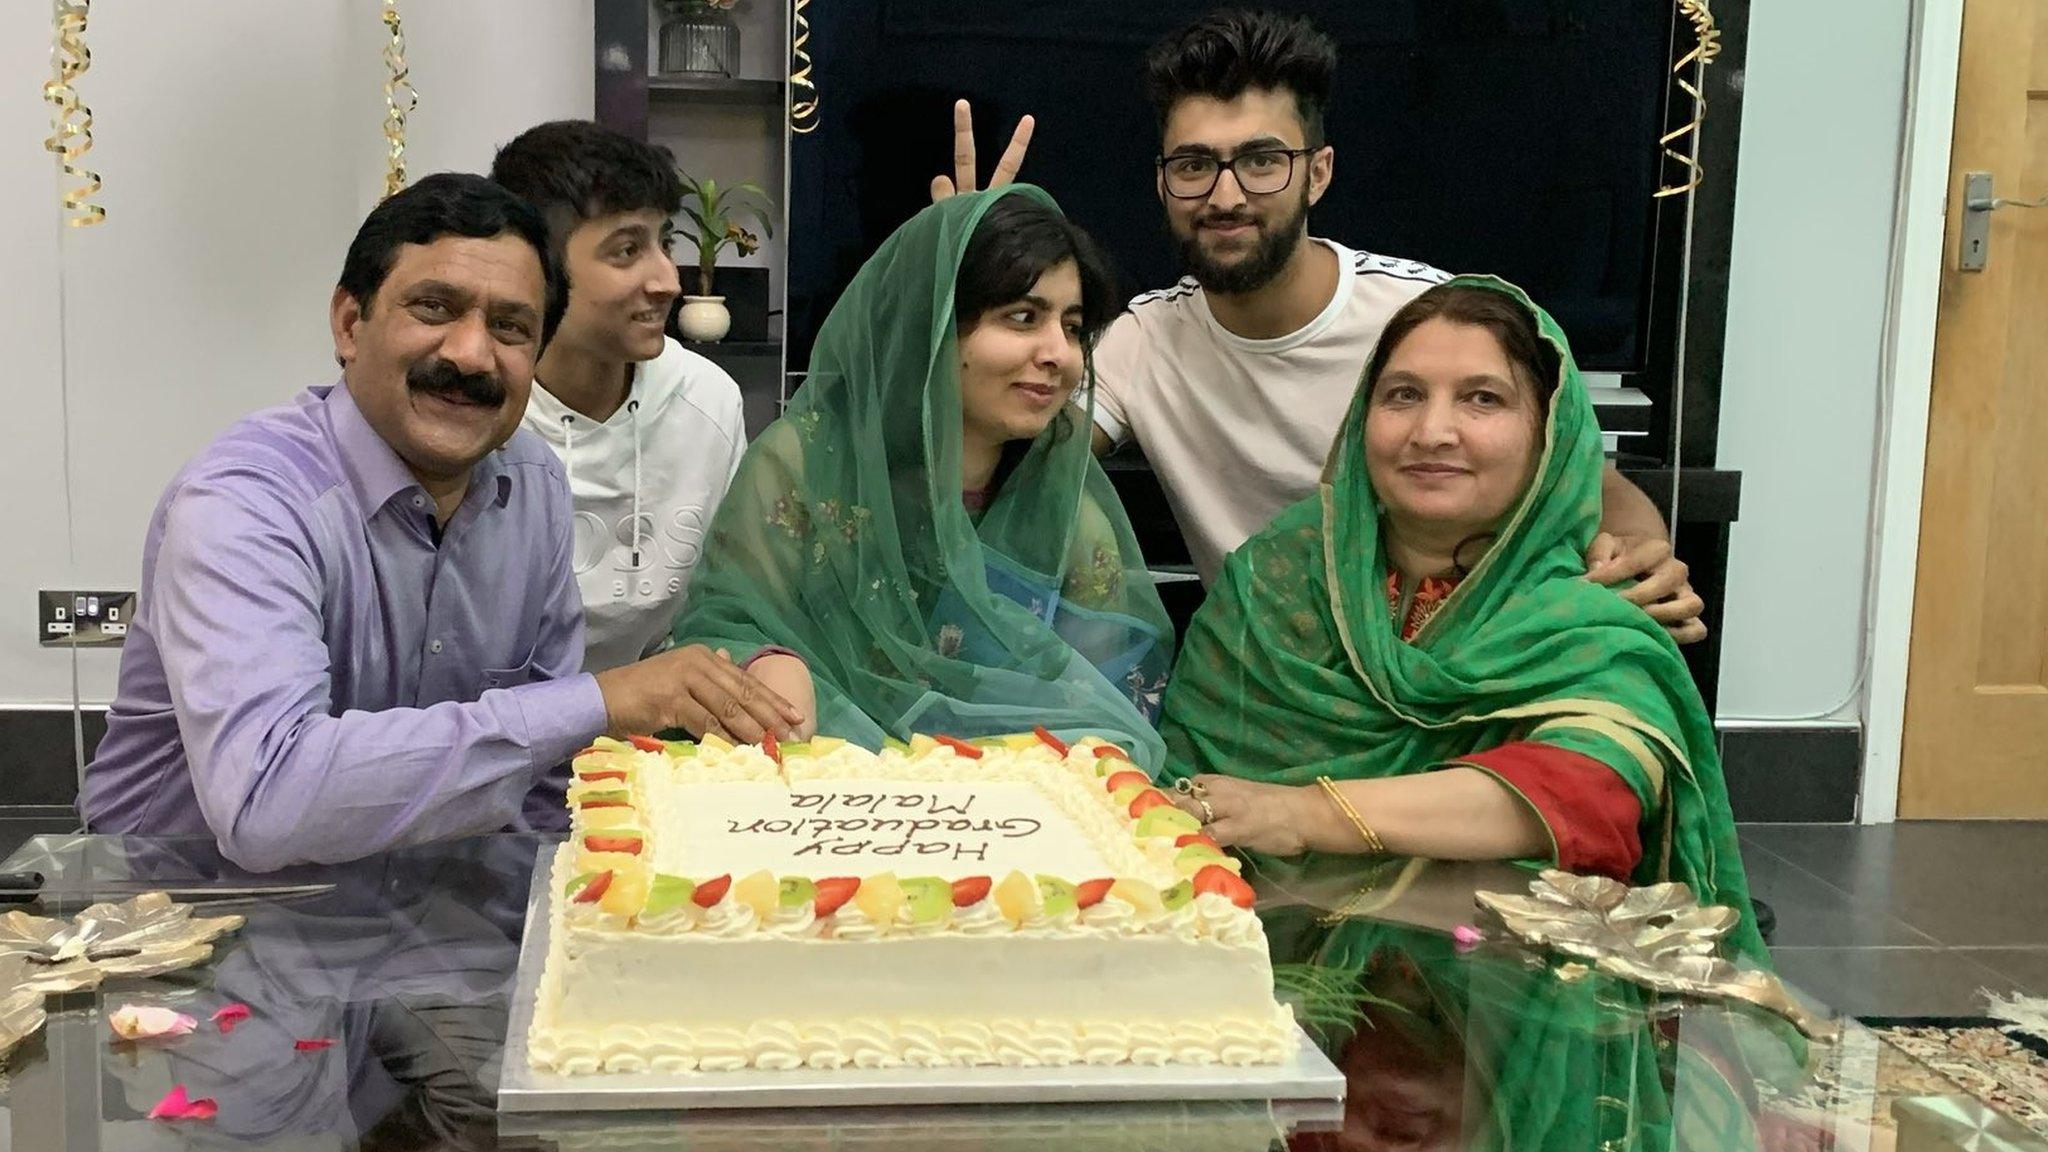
{"points": [[574, 170], [449, 204], [1228, 51]]}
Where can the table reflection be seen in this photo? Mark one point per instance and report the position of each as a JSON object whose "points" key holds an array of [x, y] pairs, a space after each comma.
{"points": [[407, 962]]}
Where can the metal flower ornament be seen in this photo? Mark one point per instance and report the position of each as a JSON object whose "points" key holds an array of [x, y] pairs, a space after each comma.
{"points": [[1658, 937]]}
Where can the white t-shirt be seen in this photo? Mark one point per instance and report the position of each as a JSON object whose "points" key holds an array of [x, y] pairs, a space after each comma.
{"points": [[649, 478], [1237, 429]]}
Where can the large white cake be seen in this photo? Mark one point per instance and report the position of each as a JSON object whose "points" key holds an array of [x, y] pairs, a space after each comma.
{"points": [[1013, 902]]}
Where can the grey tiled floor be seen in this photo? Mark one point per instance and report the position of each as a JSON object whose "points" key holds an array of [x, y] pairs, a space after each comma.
{"points": [[1899, 920], [1906, 919]]}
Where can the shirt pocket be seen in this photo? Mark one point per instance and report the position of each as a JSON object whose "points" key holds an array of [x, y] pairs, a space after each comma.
{"points": [[506, 677]]}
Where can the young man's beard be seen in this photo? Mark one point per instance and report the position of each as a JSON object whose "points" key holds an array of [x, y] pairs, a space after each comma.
{"points": [[1274, 248]]}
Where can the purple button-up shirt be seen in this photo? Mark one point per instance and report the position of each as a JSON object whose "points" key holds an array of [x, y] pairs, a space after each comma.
{"points": [[310, 676]]}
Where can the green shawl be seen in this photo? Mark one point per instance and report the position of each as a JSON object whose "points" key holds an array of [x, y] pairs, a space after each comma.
{"points": [[1547, 1065], [1294, 668], [844, 537]]}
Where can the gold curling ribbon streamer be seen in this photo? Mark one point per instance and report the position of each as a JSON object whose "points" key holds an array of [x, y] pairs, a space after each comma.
{"points": [[803, 109], [71, 121], [396, 109], [1706, 46]]}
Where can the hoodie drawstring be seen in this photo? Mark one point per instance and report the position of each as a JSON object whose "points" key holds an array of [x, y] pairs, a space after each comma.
{"points": [[633, 411], [569, 451]]}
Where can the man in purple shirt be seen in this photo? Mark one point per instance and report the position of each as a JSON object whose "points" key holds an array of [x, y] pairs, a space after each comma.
{"points": [[359, 626]]}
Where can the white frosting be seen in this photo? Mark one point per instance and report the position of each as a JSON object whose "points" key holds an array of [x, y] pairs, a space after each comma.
{"points": [[729, 919], [1113, 914], [694, 989], [980, 918]]}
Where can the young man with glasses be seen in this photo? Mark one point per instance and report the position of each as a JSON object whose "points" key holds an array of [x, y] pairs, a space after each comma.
{"points": [[1233, 379]]}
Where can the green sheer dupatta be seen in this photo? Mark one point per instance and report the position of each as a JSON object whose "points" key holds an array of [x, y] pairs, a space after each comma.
{"points": [[1523, 1060], [844, 537], [1293, 669]]}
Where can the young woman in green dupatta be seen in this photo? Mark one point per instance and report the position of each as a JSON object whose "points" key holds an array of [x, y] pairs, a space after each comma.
{"points": [[923, 543], [1412, 660]]}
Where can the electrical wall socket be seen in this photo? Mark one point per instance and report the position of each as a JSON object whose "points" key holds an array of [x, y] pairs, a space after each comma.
{"points": [[68, 619]]}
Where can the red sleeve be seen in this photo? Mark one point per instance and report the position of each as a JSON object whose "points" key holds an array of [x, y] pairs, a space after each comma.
{"points": [[769, 650], [1591, 813]]}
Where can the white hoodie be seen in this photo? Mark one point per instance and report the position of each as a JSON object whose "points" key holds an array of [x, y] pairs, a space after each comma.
{"points": [[646, 483]]}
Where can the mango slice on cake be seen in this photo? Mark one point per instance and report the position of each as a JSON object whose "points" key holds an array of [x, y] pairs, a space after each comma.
{"points": [[605, 818], [880, 898], [1138, 894], [1017, 898], [627, 894], [760, 892]]}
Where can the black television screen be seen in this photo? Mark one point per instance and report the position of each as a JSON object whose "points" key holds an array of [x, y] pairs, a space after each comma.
{"points": [[1517, 137]]}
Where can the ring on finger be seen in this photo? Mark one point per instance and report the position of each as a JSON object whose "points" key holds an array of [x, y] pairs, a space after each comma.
{"points": [[1208, 813]]}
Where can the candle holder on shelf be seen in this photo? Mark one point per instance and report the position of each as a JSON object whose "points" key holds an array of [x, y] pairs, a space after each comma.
{"points": [[698, 38]]}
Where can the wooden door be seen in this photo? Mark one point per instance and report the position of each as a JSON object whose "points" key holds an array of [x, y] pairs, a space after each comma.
{"points": [[1976, 732]]}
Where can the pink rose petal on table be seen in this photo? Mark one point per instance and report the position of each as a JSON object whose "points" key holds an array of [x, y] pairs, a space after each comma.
{"points": [[176, 1105], [140, 1022], [313, 1045], [1465, 937], [229, 1016]]}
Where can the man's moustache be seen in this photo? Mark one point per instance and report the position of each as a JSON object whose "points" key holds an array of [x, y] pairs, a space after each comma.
{"points": [[439, 376]]}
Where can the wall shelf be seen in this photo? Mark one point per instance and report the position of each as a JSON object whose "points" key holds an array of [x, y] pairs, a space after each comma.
{"points": [[720, 88]]}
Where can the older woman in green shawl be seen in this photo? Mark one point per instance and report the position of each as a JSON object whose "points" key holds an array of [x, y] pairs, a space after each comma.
{"points": [[923, 543], [1411, 660]]}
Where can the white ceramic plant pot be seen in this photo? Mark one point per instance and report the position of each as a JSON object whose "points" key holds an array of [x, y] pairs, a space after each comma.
{"points": [[704, 319]]}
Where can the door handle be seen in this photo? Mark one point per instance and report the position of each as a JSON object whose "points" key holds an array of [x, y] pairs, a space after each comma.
{"points": [[1979, 203]]}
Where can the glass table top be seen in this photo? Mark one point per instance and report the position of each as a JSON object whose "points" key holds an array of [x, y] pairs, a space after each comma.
{"points": [[406, 962]]}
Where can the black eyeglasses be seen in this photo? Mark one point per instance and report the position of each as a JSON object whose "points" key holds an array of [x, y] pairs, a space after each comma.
{"points": [[1260, 172]]}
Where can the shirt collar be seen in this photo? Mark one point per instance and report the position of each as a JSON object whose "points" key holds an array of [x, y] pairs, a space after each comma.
{"points": [[374, 469]]}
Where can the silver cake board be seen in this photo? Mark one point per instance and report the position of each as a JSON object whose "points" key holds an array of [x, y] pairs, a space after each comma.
{"points": [[1307, 1078]]}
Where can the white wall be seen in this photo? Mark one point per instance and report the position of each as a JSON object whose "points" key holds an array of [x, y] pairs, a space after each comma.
{"points": [[1822, 114], [235, 177], [241, 145]]}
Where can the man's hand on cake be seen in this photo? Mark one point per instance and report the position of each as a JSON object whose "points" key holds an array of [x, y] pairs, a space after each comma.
{"points": [[1245, 813], [696, 689]]}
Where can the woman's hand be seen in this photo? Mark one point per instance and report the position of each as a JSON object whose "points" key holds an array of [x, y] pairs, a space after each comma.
{"points": [[1271, 818], [790, 678]]}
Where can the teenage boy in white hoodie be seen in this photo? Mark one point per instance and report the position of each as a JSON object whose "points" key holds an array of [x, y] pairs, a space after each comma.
{"points": [[649, 432]]}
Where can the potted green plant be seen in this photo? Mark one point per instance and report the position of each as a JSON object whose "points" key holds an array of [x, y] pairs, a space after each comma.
{"points": [[714, 215]]}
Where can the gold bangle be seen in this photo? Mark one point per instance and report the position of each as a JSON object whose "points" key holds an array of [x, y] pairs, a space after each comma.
{"points": [[1373, 843]]}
